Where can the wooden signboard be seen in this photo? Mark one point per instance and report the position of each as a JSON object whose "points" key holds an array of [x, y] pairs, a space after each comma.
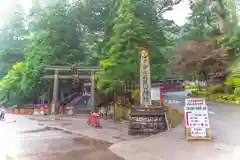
{"points": [[197, 124], [147, 121]]}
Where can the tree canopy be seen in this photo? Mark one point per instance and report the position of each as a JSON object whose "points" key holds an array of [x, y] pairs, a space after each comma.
{"points": [[12, 39], [111, 34]]}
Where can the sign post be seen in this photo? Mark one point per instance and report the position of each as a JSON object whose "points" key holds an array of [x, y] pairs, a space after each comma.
{"points": [[147, 119], [145, 79], [197, 124]]}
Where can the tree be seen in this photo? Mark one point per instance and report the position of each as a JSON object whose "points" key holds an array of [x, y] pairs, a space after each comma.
{"points": [[93, 15], [10, 84], [202, 22], [12, 39], [133, 26], [226, 13], [203, 58], [55, 41], [208, 20]]}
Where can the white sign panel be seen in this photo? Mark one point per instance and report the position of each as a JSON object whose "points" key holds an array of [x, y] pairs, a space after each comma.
{"points": [[87, 84], [197, 119], [198, 132], [193, 108], [195, 102], [196, 116], [155, 93]]}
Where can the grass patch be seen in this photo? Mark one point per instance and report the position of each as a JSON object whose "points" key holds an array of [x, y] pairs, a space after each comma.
{"points": [[190, 86], [175, 116]]}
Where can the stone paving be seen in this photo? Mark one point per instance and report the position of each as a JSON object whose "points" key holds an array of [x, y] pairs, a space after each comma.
{"points": [[24, 139], [173, 146], [164, 146], [111, 131]]}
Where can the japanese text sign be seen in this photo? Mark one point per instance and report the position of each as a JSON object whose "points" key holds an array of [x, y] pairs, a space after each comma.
{"points": [[196, 118]]}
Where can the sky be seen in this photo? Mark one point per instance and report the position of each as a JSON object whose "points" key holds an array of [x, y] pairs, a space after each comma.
{"points": [[4, 9], [178, 14]]}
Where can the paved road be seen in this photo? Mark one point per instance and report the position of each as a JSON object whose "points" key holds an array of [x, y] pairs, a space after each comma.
{"points": [[224, 117], [24, 139]]}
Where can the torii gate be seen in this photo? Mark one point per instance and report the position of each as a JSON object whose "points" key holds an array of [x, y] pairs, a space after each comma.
{"points": [[57, 76]]}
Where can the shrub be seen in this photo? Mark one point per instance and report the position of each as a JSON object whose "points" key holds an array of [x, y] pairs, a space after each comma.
{"points": [[190, 86], [225, 97], [216, 89], [216, 97], [237, 91], [197, 93]]}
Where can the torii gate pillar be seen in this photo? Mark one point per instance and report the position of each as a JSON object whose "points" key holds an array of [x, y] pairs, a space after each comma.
{"points": [[55, 91]]}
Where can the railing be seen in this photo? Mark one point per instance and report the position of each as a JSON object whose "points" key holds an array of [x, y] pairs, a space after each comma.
{"points": [[71, 97]]}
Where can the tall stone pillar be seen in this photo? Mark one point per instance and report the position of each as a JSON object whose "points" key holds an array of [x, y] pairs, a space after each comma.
{"points": [[145, 79], [93, 90], [55, 91]]}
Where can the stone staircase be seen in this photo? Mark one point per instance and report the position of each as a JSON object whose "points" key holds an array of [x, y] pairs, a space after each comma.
{"points": [[79, 102]]}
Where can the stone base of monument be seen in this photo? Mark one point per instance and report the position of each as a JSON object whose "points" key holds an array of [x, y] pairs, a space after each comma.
{"points": [[147, 120], [155, 102]]}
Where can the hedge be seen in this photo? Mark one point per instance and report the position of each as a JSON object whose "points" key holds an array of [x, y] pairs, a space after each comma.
{"points": [[232, 98]]}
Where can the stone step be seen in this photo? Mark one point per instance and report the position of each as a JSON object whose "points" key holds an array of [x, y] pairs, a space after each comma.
{"points": [[82, 111]]}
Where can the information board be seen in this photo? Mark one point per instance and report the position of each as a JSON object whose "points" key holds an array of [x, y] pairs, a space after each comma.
{"points": [[155, 93], [197, 124]]}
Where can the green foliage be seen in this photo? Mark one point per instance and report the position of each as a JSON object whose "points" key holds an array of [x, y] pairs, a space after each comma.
{"points": [[233, 41], [54, 39], [232, 98], [190, 86], [225, 98], [90, 32], [209, 19], [232, 80], [219, 88], [133, 27], [237, 91], [12, 39], [202, 22], [10, 84]]}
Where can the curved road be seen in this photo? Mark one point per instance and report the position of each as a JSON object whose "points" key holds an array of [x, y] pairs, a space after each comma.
{"points": [[224, 117]]}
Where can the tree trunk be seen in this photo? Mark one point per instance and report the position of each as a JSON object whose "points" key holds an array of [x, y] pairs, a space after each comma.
{"points": [[222, 14]]}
